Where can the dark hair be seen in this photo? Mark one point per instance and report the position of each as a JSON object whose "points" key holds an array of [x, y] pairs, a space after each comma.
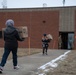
{"points": [[44, 34]]}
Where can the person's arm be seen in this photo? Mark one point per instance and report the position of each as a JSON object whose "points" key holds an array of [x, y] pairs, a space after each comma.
{"points": [[43, 40], [49, 40]]}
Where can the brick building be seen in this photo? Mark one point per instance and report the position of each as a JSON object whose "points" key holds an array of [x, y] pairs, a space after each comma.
{"points": [[57, 21]]}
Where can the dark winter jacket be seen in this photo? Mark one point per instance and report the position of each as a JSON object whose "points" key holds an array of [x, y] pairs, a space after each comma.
{"points": [[45, 42], [11, 37]]}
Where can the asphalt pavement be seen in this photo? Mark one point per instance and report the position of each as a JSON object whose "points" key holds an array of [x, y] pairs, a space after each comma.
{"points": [[30, 63]]}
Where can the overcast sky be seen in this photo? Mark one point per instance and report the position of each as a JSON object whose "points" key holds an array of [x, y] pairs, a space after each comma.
{"points": [[37, 3]]}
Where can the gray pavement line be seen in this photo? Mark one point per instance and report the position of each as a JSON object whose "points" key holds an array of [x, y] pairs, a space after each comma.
{"points": [[42, 70]]}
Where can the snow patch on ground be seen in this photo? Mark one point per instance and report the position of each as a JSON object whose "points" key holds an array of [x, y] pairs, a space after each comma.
{"points": [[42, 70]]}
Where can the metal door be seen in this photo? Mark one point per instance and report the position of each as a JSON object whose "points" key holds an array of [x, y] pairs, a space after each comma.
{"points": [[70, 40]]}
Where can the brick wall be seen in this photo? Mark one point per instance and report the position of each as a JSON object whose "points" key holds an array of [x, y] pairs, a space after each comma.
{"points": [[38, 23]]}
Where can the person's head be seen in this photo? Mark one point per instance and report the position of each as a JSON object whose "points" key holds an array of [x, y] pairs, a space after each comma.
{"points": [[44, 35], [9, 22]]}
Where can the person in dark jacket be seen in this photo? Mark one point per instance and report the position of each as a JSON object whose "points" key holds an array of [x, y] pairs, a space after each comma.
{"points": [[11, 38], [45, 44]]}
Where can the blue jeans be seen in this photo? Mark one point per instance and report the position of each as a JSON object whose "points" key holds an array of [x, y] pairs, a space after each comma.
{"points": [[6, 54]]}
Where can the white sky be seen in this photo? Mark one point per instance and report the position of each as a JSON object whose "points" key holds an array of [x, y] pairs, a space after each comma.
{"points": [[37, 3]]}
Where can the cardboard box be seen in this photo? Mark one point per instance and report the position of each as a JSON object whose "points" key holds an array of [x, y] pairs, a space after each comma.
{"points": [[3, 32], [23, 31], [49, 36]]}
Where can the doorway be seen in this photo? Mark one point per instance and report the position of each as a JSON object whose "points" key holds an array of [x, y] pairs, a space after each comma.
{"points": [[66, 40]]}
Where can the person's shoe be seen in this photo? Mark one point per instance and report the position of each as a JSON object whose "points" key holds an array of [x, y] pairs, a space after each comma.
{"points": [[1, 69], [46, 54], [16, 67], [42, 53]]}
